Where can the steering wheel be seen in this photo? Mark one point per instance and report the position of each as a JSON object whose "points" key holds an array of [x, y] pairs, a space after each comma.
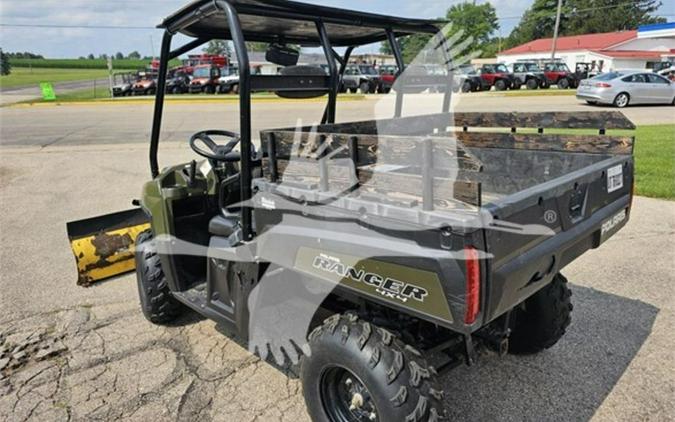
{"points": [[216, 152]]}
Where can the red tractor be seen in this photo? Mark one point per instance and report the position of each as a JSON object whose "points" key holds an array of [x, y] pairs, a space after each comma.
{"points": [[499, 76], [557, 73]]}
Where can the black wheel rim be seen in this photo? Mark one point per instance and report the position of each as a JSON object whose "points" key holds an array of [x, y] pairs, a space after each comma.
{"points": [[345, 397]]}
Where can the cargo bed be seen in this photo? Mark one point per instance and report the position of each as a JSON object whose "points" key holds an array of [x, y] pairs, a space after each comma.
{"points": [[532, 200]]}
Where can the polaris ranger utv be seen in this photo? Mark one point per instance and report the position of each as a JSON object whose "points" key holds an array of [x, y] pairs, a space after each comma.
{"points": [[418, 239]]}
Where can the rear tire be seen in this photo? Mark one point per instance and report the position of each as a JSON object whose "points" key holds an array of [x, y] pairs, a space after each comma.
{"points": [[622, 100], [235, 89], [354, 363], [364, 88], [542, 320], [563, 84], [157, 303], [466, 87], [532, 84]]}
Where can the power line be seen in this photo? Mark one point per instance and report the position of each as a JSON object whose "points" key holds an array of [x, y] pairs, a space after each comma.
{"points": [[46, 25]]}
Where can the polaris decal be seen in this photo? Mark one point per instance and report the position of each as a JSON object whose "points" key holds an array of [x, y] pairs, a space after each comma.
{"points": [[388, 287]]}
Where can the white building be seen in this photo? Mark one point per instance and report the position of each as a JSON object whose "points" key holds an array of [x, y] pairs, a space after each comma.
{"points": [[638, 49]]}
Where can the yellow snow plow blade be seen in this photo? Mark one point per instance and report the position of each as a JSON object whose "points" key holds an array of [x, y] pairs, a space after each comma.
{"points": [[104, 247]]}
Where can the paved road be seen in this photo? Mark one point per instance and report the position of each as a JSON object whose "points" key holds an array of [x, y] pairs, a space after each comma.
{"points": [[17, 94], [91, 355], [122, 123]]}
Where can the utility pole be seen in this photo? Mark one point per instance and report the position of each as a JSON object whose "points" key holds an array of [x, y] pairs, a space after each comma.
{"points": [[557, 29]]}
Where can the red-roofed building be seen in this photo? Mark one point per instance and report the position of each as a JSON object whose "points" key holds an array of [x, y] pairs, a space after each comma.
{"points": [[638, 49]]}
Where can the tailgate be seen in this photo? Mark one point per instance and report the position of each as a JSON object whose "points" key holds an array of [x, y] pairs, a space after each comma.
{"points": [[582, 210]]}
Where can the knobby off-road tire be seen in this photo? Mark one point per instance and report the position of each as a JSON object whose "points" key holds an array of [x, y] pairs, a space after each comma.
{"points": [[543, 319], [394, 378], [158, 306], [501, 85]]}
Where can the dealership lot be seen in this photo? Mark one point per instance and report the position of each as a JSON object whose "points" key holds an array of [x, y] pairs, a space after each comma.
{"points": [[92, 355]]}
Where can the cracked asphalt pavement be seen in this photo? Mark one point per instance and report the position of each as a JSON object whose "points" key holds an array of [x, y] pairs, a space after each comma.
{"points": [[69, 353]]}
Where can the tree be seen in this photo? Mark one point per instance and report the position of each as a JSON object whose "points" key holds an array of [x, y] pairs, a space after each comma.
{"points": [[5, 65], [103, 57], [119, 56], [219, 48], [610, 15], [475, 20], [257, 46], [582, 17], [135, 55], [91, 56]]}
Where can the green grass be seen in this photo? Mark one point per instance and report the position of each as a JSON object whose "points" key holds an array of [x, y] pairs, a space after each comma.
{"points": [[655, 161], [654, 157], [83, 63], [536, 93], [31, 77]]}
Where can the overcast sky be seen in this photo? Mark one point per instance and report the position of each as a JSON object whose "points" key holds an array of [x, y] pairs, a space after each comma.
{"points": [[72, 42]]}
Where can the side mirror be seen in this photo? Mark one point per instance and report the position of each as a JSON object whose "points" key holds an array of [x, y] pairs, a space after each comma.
{"points": [[282, 55]]}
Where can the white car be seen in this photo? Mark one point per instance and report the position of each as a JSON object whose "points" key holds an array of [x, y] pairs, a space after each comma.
{"points": [[627, 88]]}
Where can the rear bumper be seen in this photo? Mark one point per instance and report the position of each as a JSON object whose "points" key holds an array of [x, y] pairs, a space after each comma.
{"points": [[520, 278], [599, 97]]}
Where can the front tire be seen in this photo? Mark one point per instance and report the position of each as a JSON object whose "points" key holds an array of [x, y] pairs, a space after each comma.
{"points": [[359, 372], [158, 306], [622, 100], [563, 84], [542, 320], [532, 84], [500, 85], [466, 87], [364, 88]]}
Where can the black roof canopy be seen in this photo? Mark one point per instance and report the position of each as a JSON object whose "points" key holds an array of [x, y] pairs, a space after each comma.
{"points": [[291, 22]]}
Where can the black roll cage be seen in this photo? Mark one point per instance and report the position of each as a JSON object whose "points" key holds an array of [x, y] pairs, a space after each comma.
{"points": [[248, 83]]}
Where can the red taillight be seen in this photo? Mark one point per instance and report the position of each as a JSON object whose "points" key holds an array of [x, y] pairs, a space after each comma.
{"points": [[603, 85], [472, 285]]}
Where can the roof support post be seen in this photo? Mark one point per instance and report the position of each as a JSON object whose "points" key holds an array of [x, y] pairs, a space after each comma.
{"points": [[442, 44], [344, 62], [245, 116], [188, 47], [329, 117], [396, 48], [159, 103]]}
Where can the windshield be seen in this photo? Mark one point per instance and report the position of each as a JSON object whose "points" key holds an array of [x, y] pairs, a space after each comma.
{"points": [[368, 70], [500, 68], [230, 71], [557, 67], [202, 72], [532, 67], [466, 70], [608, 76]]}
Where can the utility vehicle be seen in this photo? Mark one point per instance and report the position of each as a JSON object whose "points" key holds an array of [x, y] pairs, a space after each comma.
{"points": [[122, 84], [388, 74], [178, 81], [205, 79], [468, 80], [377, 252], [530, 75], [146, 83], [559, 74], [361, 77], [229, 80], [499, 76]]}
